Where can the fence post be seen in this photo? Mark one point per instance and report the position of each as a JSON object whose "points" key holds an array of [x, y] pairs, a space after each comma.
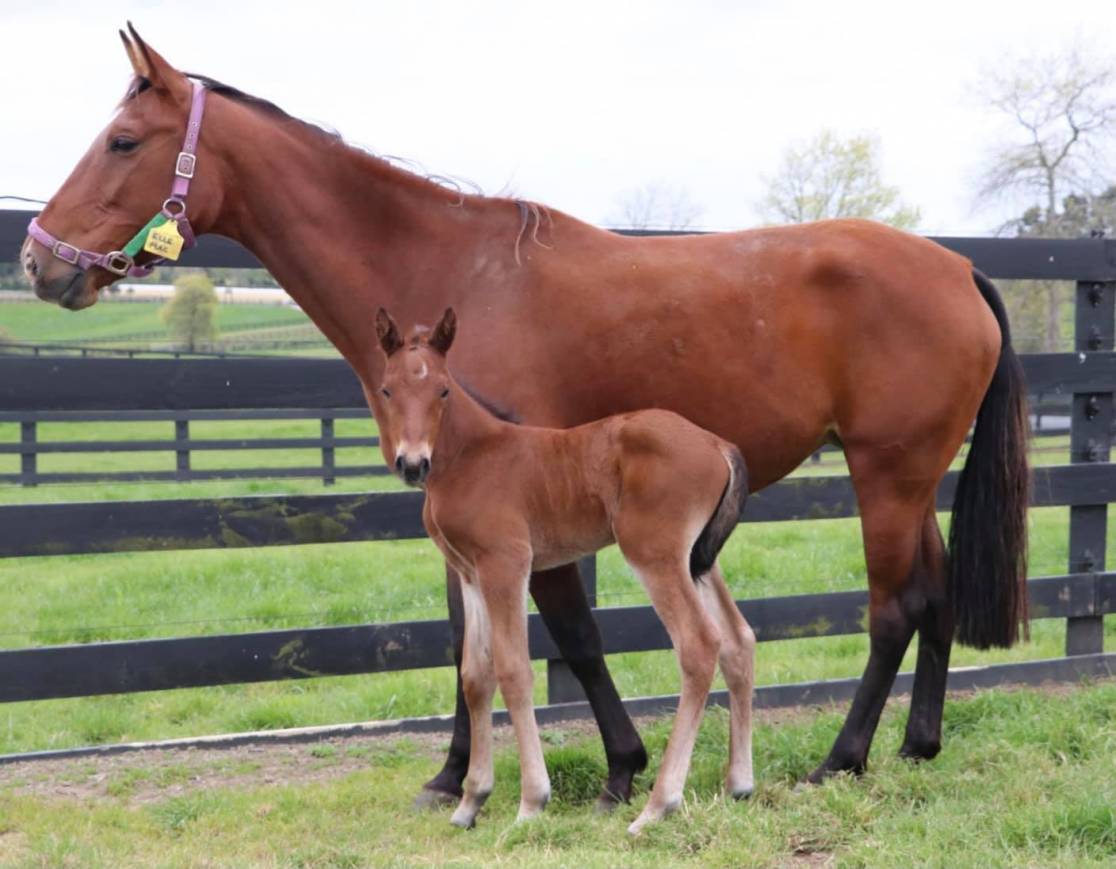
{"points": [[1090, 441], [328, 476], [28, 458], [561, 684], [182, 449]]}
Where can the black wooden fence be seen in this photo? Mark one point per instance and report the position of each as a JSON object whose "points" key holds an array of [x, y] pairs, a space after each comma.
{"points": [[1082, 596]]}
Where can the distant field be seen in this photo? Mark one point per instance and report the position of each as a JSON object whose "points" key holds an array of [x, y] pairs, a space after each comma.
{"points": [[128, 322]]}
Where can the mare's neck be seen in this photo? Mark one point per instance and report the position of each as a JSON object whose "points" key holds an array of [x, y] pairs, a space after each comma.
{"points": [[344, 232]]}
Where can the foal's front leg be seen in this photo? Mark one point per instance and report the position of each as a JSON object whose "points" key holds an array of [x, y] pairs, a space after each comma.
{"points": [[504, 586], [478, 682]]}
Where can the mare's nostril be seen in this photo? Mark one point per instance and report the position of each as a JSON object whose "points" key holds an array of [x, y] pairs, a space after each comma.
{"points": [[424, 466], [399, 464]]}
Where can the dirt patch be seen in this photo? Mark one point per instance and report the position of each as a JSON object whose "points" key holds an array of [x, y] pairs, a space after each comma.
{"points": [[147, 775]]}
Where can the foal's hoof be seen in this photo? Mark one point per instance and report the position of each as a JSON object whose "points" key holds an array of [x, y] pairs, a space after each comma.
{"points": [[740, 794], [464, 820], [429, 799]]}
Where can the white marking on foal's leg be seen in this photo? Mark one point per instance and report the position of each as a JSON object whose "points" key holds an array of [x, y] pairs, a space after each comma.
{"points": [[738, 644], [479, 683]]}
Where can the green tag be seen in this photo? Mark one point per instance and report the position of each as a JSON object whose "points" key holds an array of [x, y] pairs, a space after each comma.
{"points": [[133, 247]]}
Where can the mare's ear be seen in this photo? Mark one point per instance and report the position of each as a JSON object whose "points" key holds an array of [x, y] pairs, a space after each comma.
{"points": [[442, 337], [387, 332], [150, 65]]}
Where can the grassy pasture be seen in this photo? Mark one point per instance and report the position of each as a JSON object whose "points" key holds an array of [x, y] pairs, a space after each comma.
{"points": [[1025, 780], [121, 321]]}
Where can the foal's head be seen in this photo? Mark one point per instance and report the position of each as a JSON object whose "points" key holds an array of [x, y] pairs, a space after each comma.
{"points": [[414, 390]]}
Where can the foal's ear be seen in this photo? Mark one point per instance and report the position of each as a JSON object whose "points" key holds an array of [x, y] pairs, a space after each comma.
{"points": [[442, 337], [387, 332], [149, 64]]}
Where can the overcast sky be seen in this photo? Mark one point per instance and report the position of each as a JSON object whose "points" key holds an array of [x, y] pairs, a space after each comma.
{"points": [[568, 103]]}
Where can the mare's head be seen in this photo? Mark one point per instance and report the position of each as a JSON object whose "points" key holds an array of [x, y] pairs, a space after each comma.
{"points": [[413, 391], [120, 183]]}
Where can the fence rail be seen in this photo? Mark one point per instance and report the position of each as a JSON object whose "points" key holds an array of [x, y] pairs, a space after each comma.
{"points": [[55, 389]]}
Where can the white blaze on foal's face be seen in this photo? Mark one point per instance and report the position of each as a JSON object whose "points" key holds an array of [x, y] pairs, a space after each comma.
{"points": [[414, 394]]}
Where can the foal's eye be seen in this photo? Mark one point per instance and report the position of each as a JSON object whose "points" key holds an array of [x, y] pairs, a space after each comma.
{"points": [[445, 393], [123, 145], [385, 392]]}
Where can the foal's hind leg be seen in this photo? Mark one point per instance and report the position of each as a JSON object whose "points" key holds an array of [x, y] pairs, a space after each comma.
{"points": [[738, 644], [892, 506], [696, 642], [935, 637]]}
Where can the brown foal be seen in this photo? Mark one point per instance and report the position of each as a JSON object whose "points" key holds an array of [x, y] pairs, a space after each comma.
{"points": [[504, 500]]}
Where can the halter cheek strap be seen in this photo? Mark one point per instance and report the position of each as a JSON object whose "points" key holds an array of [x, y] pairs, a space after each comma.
{"points": [[122, 262]]}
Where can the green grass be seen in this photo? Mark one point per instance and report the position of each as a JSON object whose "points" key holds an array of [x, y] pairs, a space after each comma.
{"points": [[110, 320], [1025, 779]]}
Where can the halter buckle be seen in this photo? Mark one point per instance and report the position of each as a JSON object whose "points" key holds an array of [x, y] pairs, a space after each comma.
{"points": [[67, 252], [118, 262], [172, 214], [184, 166]]}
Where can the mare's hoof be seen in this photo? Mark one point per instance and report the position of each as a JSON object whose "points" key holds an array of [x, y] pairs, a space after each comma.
{"points": [[742, 793], [918, 752], [607, 802], [431, 800]]}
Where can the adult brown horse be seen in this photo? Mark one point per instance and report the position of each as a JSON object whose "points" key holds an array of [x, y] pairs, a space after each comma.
{"points": [[775, 339]]}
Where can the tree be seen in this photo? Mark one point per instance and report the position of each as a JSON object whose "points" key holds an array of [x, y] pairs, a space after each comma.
{"points": [[191, 314], [1061, 111], [833, 177], [655, 206]]}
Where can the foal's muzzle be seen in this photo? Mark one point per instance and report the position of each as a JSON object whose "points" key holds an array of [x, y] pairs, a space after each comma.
{"points": [[412, 470]]}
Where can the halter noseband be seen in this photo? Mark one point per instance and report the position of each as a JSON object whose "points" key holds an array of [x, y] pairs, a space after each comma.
{"points": [[122, 262]]}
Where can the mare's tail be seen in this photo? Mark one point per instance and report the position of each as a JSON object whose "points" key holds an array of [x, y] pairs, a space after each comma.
{"points": [[724, 518], [988, 534]]}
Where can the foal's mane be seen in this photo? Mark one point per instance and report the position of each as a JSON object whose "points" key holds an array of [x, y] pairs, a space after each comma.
{"points": [[532, 214], [493, 409]]}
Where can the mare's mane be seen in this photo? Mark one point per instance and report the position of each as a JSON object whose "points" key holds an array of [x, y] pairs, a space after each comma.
{"points": [[531, 213]]}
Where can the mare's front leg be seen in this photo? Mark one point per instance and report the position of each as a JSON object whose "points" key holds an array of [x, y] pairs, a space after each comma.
{"points": [[564, 608], [445, 787], [478, 681], [503, 583]]}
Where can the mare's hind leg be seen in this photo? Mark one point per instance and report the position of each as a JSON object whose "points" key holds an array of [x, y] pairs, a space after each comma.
{"points": [[738, 645], [564, 609], [893, 503], [935, 637]]}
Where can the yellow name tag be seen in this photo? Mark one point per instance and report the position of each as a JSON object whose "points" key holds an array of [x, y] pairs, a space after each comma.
{"points": [[165, 241]]}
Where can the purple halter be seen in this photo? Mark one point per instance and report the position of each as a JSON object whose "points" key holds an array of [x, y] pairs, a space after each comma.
{"points": [[121, 262]]}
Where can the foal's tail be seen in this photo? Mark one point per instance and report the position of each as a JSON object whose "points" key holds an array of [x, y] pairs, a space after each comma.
{"points": [[988, 534], [724, 518]]}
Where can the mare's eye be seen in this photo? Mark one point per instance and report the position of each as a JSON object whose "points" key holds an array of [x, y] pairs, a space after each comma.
{"points": [[385, 392], [123, 145], [445, 393]]}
